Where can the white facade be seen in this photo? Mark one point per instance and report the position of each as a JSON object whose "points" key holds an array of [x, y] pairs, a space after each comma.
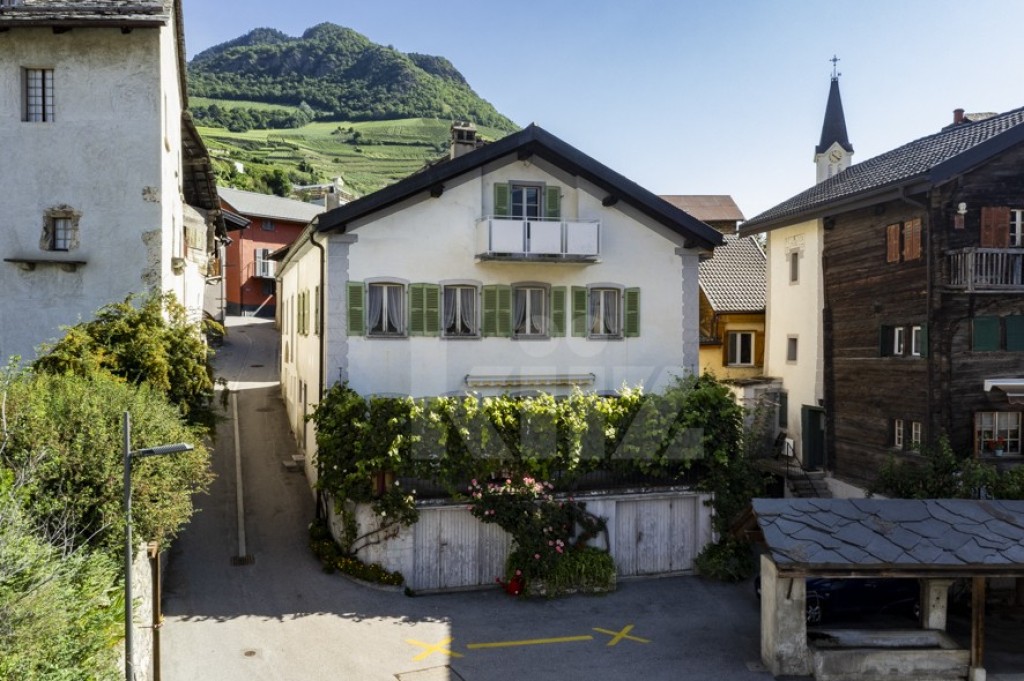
{"points": [[435, 241], [112, 158], [793, 329]]}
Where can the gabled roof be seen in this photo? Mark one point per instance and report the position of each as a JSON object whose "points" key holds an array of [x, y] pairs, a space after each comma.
{"points": [[706, 207], [531, 141], [74, 13], [733, 279], [256, 205], [912, 168], [958, 537]]}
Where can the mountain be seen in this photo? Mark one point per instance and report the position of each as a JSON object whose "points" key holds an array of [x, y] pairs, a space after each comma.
{"points": [[339, 75]]}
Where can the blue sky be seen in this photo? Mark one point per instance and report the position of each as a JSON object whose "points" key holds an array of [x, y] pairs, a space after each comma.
{"points": [[689, 97]]}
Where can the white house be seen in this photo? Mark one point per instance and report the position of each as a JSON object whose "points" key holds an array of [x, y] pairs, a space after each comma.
{"points": [[519, 265], [107, 186], [795, 300]]}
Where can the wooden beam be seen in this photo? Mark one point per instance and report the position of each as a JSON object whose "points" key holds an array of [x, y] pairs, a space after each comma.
{"points": [[436, 191], [977, 623], [609, 201]]}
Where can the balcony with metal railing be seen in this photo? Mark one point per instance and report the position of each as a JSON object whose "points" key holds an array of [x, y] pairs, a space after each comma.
{"points": [[986, 269], [538, 240]]}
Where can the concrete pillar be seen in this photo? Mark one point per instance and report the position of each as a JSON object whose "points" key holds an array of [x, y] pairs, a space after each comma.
{"points": [[783, 622], [934, 603]]}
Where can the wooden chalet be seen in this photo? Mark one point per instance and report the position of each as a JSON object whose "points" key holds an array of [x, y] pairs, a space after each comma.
{"points": [[923, 319]]}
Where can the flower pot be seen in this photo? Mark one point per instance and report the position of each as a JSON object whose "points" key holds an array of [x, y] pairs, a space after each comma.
{"points": [[999, 451]]}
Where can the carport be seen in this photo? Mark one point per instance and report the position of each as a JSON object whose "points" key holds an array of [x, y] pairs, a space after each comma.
{"points": [[935, 541]]}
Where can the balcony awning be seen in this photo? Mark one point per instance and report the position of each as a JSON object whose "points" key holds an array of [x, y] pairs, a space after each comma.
{"points": [[1013, 387], [531, 381]]}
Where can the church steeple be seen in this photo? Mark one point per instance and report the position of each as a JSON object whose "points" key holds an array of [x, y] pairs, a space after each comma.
{"points": [[832, 155]]}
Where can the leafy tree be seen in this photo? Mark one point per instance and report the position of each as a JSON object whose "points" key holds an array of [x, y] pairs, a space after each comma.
{"points": [[67, 429], [61, 610], [150, 343]]}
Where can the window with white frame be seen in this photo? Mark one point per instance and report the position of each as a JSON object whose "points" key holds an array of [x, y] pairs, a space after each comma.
{"points": [[897, 433], [526, 200], [264, 267], [459, 311], [898, 340], [1017, 228], [605, 312], [385, 309], [915, 433], [38, 104], [529, 311], [741, 348], [915, 341], [997, 431]]}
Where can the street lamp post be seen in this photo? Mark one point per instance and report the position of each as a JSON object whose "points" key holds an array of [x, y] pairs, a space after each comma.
{"points": [[129, 553]]}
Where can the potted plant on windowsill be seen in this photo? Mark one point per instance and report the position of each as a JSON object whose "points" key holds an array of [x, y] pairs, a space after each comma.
{"points": [[997, 445]]}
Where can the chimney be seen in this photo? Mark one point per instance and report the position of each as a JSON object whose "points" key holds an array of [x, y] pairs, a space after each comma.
{"points": [[463, 138], [958, 116], [331, 198]]}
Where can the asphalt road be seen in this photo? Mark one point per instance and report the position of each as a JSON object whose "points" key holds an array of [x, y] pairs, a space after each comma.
{"points": [[281, 617], [278, 616]]}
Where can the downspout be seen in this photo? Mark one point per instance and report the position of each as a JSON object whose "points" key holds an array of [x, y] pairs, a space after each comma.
{"points": [[926, 233], [320, 330], [321, 511]]}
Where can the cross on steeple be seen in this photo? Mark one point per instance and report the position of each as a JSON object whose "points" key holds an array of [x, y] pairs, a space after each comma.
{"points": [[835, 62]]}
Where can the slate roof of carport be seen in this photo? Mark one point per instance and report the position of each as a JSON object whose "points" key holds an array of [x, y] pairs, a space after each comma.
{"points": [[894, 537]]}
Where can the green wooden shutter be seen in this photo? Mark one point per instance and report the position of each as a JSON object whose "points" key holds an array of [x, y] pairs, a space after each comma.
{"points": [[356, 308], [431, 309], [553, 202], [579, 311], [557, 310], [1015, 333], [631, 305], [504, 311], [417, 309], [985, 334], [497, 311], [502, 199]]}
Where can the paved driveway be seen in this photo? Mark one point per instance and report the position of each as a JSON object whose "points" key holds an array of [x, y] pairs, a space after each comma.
{"points": [[281, 617]]}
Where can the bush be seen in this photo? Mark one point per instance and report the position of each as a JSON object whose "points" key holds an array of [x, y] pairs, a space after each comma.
{"points": [[334, 559], [729, 560], [68, 430], [152, 343], [61, 611]]}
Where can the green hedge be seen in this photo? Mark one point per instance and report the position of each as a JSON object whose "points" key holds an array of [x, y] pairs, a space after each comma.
{"points": [[450, 440]]}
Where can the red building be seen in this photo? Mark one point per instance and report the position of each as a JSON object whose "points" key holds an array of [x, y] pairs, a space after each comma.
{"points": [[274, 223]]}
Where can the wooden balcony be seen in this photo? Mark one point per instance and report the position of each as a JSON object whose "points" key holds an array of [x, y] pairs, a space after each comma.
{"points": [[577, 241], [986, 269]]}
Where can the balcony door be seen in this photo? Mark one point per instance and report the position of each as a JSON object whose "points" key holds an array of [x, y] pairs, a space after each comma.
{"points": [[526, 199]]}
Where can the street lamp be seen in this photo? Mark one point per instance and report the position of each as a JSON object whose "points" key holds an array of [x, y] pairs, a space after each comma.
{"points": [[129, 553]]}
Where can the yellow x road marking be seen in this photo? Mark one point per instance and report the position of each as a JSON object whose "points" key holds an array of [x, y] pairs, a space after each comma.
{"points": [[431, 648], [619, 635]]}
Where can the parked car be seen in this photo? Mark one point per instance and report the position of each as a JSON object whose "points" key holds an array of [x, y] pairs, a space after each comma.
{"points": [[831, 599]]}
